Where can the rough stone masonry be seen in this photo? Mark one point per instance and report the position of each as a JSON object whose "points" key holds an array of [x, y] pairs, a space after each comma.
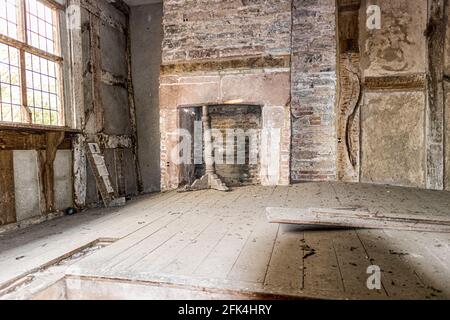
{"points": [[243, 50], [283, 56]]}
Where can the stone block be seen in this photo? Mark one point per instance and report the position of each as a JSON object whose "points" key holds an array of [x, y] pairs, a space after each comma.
{"points": [[173, 96], [399, 47], [270, 89], [393, 139]]}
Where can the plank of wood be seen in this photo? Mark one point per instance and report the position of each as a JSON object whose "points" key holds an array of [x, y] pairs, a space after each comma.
{"points": [[151, 258], [254, 258], [390, 199], [7, 198], [353, 262], [110, 196], [252, 264], [226, 221], [285, 271], [22, 140], [218, 263], [429, 259], [158, 250], [128, 249], [356, 218], [321, 266], [398, 277]]}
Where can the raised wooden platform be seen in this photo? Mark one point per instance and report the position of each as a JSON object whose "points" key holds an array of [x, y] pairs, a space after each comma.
{"points": [[210, 245]]}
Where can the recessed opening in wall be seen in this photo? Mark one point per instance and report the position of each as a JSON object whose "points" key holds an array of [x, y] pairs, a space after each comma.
{"points": [[236, 140]]}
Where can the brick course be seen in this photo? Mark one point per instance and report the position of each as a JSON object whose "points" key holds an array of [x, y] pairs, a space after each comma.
{"points": [[200, 30]]}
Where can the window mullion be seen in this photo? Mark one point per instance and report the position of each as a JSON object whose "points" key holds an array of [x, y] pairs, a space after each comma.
{"points": [[23, 79], [23, 21], [23, 73]]}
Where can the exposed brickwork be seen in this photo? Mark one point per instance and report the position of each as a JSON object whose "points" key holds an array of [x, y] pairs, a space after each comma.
{"points": [[204, 29], [269, 90], [215, 30], [314, 90], [244, 118]]}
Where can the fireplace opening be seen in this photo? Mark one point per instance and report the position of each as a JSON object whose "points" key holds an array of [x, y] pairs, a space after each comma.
{"points": [[236, 141]]}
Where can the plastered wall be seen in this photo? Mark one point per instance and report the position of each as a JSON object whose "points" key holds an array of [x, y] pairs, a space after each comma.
{"points": [[146, 38]]}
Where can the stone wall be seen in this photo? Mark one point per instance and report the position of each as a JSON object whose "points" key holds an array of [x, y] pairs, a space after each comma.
{"points": [[228, 53], [220, 30], [394, 100], [314, 90], [204, 29], [392, 75], [229, 87]]}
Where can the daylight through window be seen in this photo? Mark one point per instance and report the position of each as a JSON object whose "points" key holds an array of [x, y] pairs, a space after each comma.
{"points": [[30, 63]]}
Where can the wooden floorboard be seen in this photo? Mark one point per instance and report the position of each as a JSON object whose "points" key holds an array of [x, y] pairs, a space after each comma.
{"points": [[157, 259], [220, 260], [321, 266], [252, 263], [285, 271], [399, 279], [192, 255], [353, 263], [221, 243]]}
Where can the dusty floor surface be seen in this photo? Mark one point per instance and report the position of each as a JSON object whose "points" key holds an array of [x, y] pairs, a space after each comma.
{"points": [[209, 244]]}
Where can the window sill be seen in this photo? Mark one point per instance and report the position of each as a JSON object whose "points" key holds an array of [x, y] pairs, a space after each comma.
{"points": [[35, 128]]}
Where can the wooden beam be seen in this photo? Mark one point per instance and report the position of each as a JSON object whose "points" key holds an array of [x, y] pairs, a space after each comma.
{"points": [[7, 198], [436, 33], [121, 6], [132, 110], [30, 49], [414, 82], [10, 126], [96, 65], [356, 218], [114, 80], [12, 140], [92, 8], [53, 4], [254, 62], [46, 164]]}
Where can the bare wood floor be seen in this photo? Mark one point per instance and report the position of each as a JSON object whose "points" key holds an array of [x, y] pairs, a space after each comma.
{"points": [[220, 245]]}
